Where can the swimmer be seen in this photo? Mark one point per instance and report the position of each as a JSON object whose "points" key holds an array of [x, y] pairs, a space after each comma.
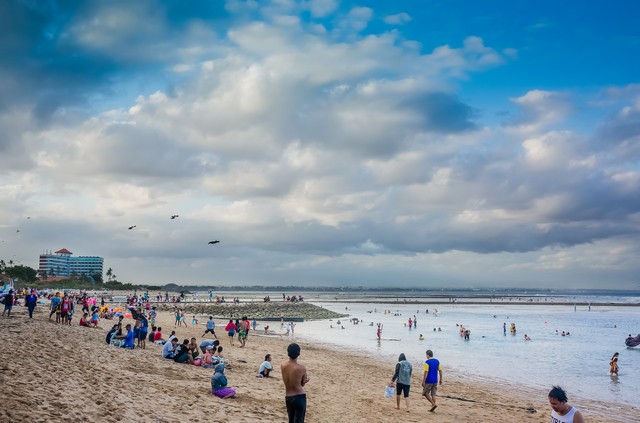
{"points": [[421, 338], [526, 337]]}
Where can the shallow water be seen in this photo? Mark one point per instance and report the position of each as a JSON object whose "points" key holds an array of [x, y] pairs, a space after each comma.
{"points": [[579, 362]]}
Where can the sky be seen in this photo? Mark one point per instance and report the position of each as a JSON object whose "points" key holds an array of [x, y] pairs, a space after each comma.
{"points": [[331, 143]]}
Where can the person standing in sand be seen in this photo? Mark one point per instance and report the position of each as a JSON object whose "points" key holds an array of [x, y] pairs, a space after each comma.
{"points": [[431, 379], [294, 376], [403, 375], [8, 303], [30, 301], [561, 412]]}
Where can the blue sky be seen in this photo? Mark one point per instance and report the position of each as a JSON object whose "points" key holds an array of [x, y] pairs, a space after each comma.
{"points": [[325, 142]]}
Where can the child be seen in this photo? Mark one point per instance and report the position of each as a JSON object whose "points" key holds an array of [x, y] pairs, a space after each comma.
{"points": [[613, 365], [207, 360], [265, 367], [84, 320], [94, 319]]}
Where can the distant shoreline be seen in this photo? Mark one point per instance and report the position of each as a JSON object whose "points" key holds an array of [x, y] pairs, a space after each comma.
{"points": [[500, 303]]}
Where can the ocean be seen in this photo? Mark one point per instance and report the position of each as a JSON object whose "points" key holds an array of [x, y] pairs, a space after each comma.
{"points": [[578, 362]]}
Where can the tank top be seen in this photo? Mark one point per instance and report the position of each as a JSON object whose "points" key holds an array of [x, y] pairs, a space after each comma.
{"points": [[567, 418]]}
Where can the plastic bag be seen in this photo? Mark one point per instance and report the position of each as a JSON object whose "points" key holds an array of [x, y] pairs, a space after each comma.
{"points": [[389, 391]]}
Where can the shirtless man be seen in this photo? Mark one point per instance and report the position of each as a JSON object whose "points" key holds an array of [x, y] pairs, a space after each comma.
{"points": [[294, 376]]}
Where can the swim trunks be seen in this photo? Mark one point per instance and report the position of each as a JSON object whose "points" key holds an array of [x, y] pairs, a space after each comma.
{"points": [[296, 407]]}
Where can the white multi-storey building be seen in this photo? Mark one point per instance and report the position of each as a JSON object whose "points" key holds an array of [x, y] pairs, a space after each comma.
{"points": [[61, 264]]}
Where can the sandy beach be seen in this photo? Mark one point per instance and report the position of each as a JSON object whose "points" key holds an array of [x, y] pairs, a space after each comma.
{"points": [[53, 373]]}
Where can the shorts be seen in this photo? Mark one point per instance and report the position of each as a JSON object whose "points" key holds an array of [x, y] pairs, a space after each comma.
{"points": [[181, 359], [242, 334], [64, 314], [210, 331], [296, 407], [400, 388], [430, 389], [143, 335], [231, 333], [8, 307]]}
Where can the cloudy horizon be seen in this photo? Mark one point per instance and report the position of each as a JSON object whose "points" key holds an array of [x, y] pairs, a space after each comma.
{"points": [[324, 142]]}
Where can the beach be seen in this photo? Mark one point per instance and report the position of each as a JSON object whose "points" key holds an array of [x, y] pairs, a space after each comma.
{"points": [[50, 373]]}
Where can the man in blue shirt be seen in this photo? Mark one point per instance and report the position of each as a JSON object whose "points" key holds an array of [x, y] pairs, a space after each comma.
{"points": [[55, 301], [128, 340], [431, 379], [210, 328]]}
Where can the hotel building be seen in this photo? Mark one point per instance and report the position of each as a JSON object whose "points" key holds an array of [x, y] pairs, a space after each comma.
{"points": [[61, 264]]}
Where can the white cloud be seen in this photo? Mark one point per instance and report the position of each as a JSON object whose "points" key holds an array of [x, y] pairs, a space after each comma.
{"points": [[319, 152], [397, 19]]}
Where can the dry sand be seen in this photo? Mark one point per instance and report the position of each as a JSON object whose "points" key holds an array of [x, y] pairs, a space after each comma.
{"points": [[54, 373]]}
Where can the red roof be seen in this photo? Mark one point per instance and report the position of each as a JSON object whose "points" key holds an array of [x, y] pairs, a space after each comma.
{"points": [[63, 251]]}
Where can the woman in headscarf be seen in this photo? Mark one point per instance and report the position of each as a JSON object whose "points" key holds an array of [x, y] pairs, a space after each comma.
{"points": [[219, 384], [403, 377]]}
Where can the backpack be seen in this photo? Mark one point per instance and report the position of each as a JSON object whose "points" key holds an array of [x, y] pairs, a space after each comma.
{"points": [[404, 374]]}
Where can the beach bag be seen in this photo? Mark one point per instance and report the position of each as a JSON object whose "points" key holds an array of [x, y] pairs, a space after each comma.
{"points": [[389, 391]]}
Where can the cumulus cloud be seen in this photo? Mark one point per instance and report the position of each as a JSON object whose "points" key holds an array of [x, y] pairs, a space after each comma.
{"points": [[397, 19], [342, 153]]}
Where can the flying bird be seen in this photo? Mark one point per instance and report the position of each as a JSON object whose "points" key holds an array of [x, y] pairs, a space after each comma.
{"points": [[173, 216], [131, 227], [214, 242], [17, 230]]}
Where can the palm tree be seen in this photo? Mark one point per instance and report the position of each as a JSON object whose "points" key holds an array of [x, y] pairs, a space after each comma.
{"points": [[109, 274]]}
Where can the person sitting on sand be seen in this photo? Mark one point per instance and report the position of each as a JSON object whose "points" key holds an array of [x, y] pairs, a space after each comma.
{"points": [[157, 337], [421, 338], [169, 348], [193, 351], [119, 324], [265, 367], [526, 337], [128, 339], [152, 333], [182, 353], [111, 333], [84, 320], [266, 329], [613, 365], [207, 359], [219, 384], [218, 357]]}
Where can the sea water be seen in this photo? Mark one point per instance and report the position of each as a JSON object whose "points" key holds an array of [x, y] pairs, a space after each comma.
{"points": [[578, 362]]}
